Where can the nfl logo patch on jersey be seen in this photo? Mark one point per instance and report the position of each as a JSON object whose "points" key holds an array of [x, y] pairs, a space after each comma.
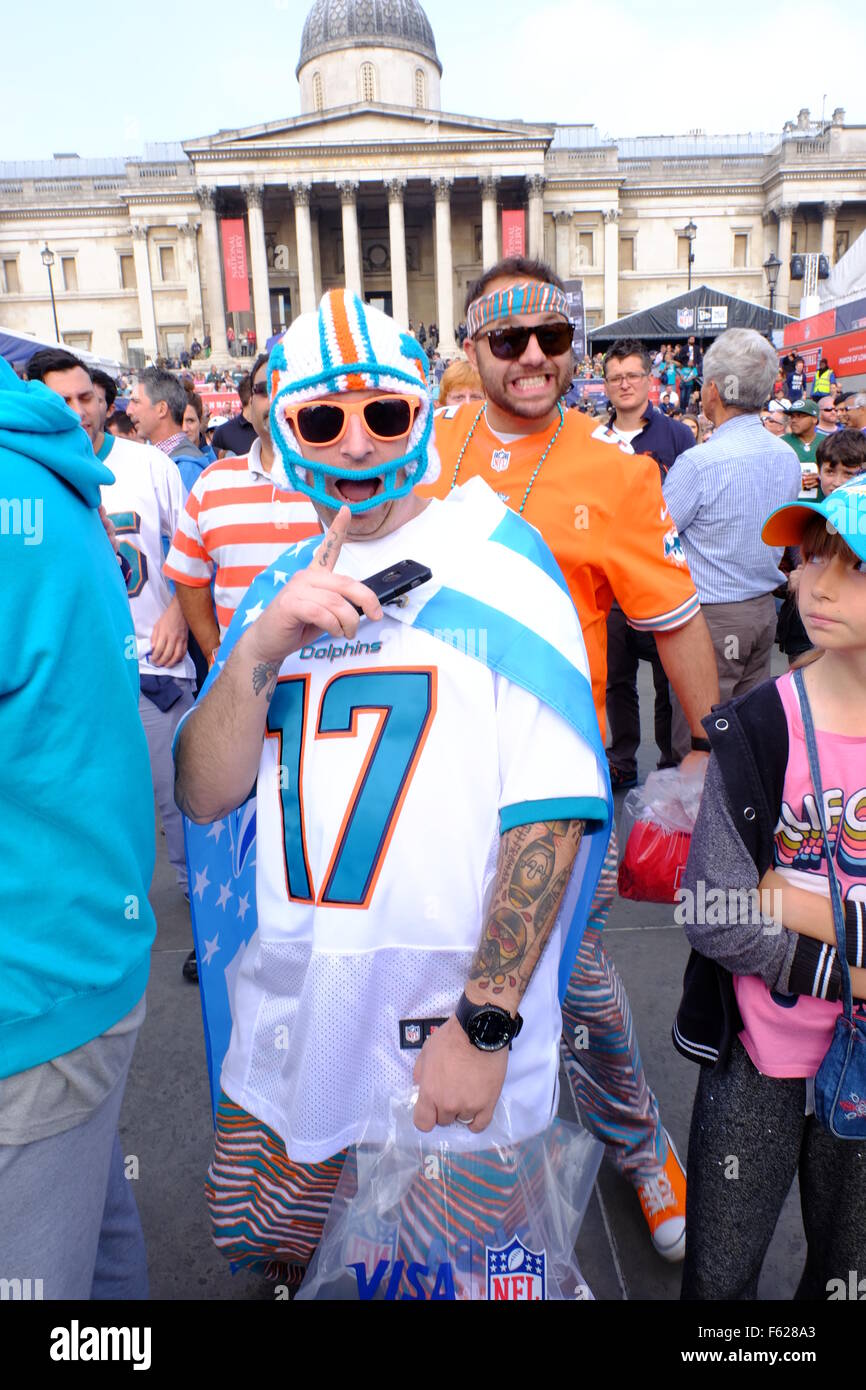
{"points": [[500, 459], [516, 1274]]}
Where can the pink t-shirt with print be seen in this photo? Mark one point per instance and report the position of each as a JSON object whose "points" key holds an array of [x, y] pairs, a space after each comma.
{"points": [[788, 1035]]}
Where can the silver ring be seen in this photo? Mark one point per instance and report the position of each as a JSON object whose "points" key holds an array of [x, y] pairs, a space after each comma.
{"points": [[458, 1119]]}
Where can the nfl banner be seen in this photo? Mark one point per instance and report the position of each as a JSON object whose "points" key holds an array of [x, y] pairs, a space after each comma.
{"points": [[685, 318], [574, 292]]}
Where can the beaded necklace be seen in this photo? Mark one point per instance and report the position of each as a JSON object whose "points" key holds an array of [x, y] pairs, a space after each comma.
{"points": [[550, 444]]}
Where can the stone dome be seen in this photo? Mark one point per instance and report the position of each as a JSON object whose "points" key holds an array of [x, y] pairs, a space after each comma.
{"points": [[332, 25]]}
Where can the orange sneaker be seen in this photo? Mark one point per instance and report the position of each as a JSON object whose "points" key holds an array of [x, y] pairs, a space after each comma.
{"points": [[663, 1201]]}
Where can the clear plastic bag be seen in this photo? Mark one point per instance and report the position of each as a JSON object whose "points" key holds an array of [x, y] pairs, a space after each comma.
{"points": [[413, 1219], [657, 823]]}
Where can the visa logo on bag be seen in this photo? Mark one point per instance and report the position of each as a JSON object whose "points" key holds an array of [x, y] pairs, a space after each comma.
{"points": [[443, 1286], [516, 1274]]}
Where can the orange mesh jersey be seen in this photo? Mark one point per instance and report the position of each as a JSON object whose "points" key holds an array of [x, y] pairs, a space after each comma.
{"points": [[600, 509]]}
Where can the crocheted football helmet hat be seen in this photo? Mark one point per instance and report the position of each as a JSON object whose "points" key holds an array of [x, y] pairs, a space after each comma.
{"points": [[349, 346]]}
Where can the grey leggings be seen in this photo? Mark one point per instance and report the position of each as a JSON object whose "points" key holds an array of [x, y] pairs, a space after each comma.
{"points": [[754, 1126]]}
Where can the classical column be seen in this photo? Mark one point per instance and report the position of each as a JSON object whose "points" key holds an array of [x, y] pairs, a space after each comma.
{"points": [[444, 266], [189, 241], [255, 195], [214, 298], [768, 242], [562, 223], [141, 255], [611, 264], [397, 235], [351, 238], [315, 231], [784, 213], [489, 220], [828, 230], [304, 238], [535, 184]]}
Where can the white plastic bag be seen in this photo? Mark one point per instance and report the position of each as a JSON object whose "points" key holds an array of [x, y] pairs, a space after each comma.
{"points": [[670, 797], [419, 1220]]}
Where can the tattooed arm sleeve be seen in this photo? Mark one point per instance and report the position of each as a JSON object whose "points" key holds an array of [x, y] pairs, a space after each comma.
{"points": [[535, 864]]}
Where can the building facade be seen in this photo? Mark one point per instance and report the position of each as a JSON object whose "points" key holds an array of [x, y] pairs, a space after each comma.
{"points": [[374, 186]]}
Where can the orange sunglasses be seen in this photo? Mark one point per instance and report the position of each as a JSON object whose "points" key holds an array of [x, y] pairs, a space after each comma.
{"points": [[385, 418]]}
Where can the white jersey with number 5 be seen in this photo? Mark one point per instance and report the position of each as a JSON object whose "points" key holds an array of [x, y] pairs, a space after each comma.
{"points": [[391, 766], [145, 502]]}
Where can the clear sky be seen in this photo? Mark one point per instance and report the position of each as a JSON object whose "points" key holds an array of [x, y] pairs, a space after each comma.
{"points": [[104, 80]]}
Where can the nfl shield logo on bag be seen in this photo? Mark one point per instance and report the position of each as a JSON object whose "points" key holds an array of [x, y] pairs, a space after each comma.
{"points": [[500, 459], [369, 1242], [516, 1274]]}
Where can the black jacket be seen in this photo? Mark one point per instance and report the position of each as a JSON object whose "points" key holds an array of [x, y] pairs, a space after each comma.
{"points": [[732, 848], [749, 737], [660, 436]]}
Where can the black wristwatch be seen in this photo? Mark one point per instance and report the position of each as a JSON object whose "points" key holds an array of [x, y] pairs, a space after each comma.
{"points": [[486, 1025], [701, 745]]}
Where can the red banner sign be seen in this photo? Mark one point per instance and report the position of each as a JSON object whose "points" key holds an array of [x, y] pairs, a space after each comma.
{"points": [[235, 265], [847, 353], [808, 330], [221, 402], [514, 233]]}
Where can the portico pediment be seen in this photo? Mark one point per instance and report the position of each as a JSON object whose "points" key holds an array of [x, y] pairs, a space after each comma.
{"points": [[362, 125]]}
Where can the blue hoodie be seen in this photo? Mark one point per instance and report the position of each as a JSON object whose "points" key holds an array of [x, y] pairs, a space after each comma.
{"points": [[76, 800]]}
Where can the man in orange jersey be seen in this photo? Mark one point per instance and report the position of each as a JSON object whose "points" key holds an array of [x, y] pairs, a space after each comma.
{"points": [[234, 525], [600, 508]]}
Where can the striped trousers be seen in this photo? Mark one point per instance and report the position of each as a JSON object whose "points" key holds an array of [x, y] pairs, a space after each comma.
{"points": [[601, 1055], [268, 1212]]}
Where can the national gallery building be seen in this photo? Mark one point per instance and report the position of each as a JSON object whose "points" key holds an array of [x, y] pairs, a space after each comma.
{"points": [[375, 186]]}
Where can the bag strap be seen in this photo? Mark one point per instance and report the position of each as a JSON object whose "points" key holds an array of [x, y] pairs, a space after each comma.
{"points": [[835, 890]]}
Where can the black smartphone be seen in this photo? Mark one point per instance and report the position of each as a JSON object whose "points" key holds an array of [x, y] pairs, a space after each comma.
{"points": [[391, 584]]}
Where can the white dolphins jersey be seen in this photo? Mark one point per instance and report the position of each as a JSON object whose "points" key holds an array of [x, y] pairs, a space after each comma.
{"points": [[391, 766], [145, 502]]}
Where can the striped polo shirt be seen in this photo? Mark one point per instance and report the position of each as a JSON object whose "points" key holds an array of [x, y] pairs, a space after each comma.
{"points": [[235, 523]]}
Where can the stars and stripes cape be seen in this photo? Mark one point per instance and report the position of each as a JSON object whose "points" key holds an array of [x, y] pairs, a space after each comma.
{"points": [[515, 594]]}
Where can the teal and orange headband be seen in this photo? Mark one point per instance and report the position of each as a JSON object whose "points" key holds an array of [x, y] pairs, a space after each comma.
{"points": [[532, 297]]}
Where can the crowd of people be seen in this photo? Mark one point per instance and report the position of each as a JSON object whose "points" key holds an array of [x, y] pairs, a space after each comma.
{"points": [[192, 574]]}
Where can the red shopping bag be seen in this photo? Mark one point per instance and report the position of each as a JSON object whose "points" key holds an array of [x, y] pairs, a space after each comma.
{"points": [[654, 862], [657, 823]]}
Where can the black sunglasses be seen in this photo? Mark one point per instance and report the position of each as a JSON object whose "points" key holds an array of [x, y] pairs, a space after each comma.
{"points": [[261, 388], [510, 343]]}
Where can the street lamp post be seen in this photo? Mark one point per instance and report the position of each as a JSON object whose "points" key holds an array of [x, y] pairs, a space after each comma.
{"points": [[772, 266], [48, 261], [691, 231]]}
